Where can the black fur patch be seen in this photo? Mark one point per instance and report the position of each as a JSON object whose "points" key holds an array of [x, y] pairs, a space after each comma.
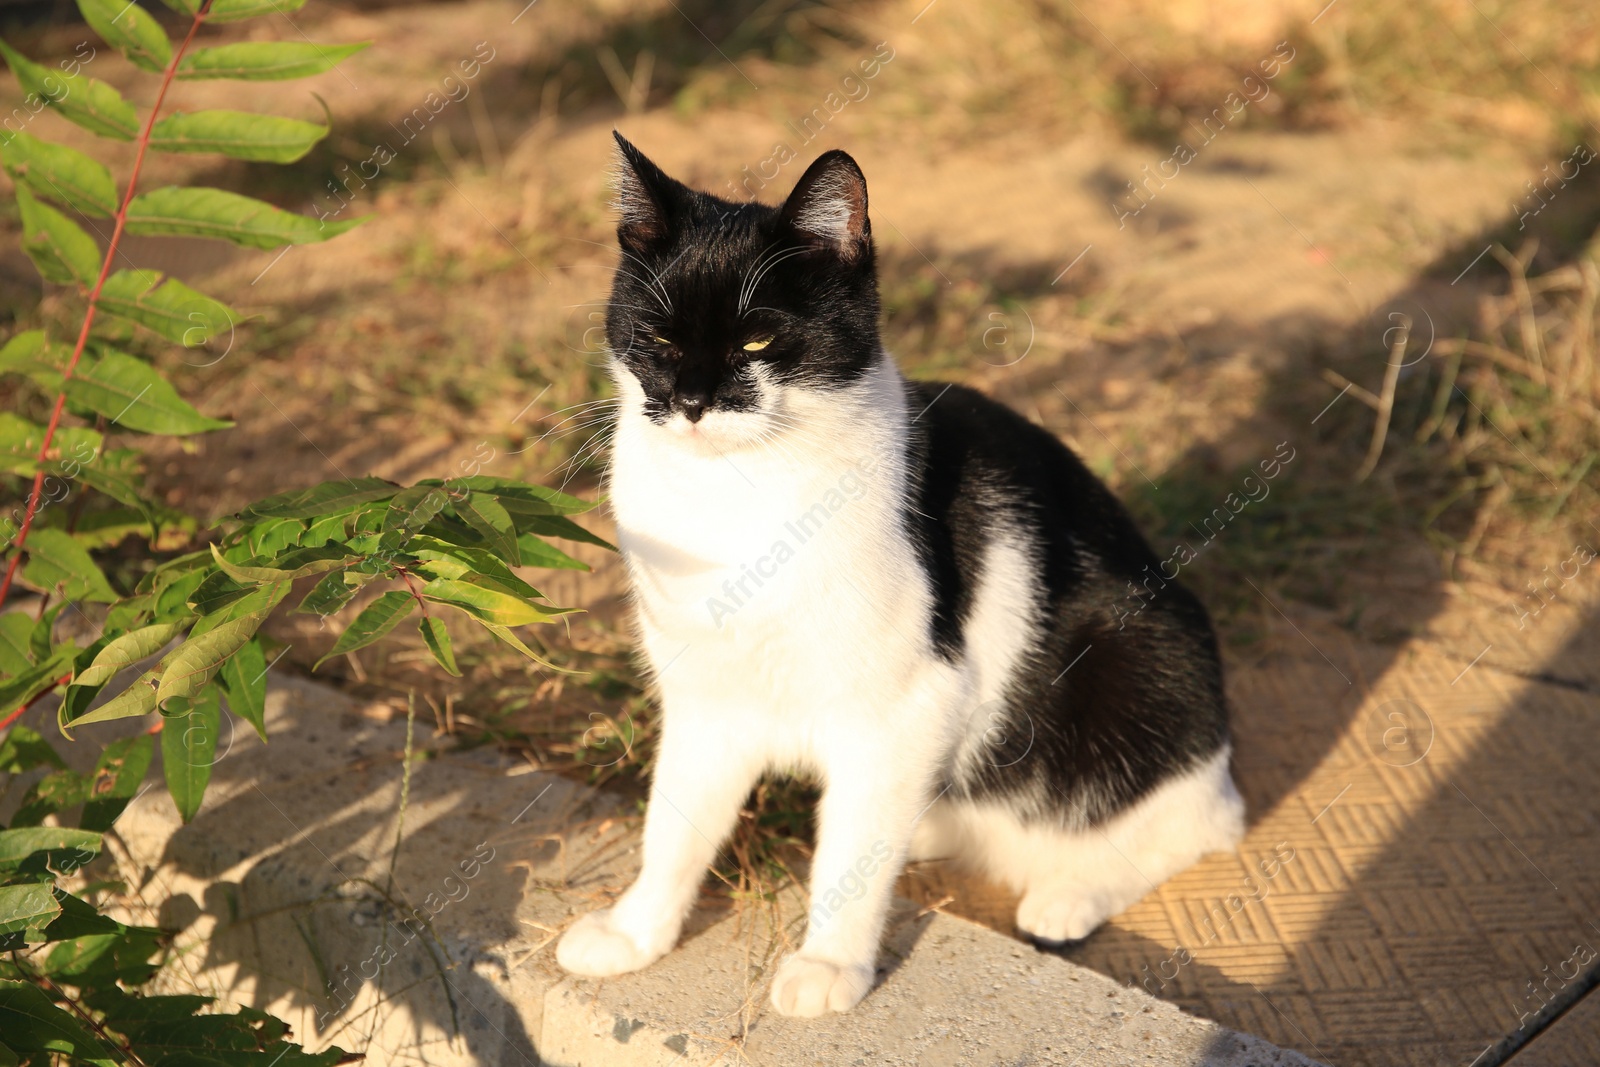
{"points": [[1107, 706]]}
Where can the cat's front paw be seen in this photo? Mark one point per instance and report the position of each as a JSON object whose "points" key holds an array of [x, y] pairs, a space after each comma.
{"points": [[810, 987], [594, 947]]}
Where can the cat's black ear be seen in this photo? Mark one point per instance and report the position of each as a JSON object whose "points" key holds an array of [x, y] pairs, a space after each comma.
{"points": [[646, 197], [829, 206]]}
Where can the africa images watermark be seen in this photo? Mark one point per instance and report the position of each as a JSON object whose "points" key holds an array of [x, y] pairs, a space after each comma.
{"points": [[1580, 155], [1543, 591], [52, 90], [810, 125], [452, 90], [56, 487], [410, 926], [1220, 917], [1255, 489], [851, 486], [852, 884], [1184, 152]]}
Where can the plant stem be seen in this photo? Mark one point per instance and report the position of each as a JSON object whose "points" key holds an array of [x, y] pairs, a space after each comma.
{"points": [[15, 715], [94, 300], [412, 586]]}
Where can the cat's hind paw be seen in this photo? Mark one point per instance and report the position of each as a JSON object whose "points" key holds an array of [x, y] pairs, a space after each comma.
{"points": [[594, 947], [1059, 917], [810, 987]]}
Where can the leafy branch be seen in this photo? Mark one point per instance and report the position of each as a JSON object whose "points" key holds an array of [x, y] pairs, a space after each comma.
{"points": [[187, 631]]}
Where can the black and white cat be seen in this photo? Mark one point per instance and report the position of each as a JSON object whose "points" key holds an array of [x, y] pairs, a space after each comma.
{"points": [[900, 587]]}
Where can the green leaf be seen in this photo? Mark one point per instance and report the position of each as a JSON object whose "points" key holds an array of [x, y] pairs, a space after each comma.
{"points": [[27, 909], [530, 499], [41, 641], [411, 509], [51, 794], [99, 961], [332, 593], [59, 248], [437, 639], [138, 699], [188, 750], [92, 104], [103, 529], [235, 10], [116, 780], [187, 668], [20, 441], [244, 683], [509, 638], [133, 394], [23, 749], [375, 620], [537, 552], [17, 691], [127, 27], [125, 651], [15, 655], [217, 592], [273, 537], [565, 528], [243, 220], [30, 1021], [62, 174], [442, 560], [55, 560], [265, 60], [296, 563], [78, 917], [16, 845], [259, 601], [324, 499], [170, 308], [33, 357], [485, 514], [485, 599], [237, 135]]}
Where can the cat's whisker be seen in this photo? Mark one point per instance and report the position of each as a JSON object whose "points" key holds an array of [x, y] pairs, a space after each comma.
{"points": [[746, 291], [580, 420], [777, 259]]}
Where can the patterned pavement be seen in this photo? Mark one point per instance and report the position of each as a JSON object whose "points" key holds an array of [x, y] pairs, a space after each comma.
{"points": [[1420, 884]]}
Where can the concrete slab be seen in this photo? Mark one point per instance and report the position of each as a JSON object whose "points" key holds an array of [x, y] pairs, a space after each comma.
{"points": [[289, 893]]}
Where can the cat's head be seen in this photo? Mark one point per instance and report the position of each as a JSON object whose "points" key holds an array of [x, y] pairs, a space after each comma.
{"points": [[725, 318]]}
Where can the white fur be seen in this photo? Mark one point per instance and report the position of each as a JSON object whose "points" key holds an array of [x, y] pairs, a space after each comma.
{"points": [[825, 664], [830, 207], [1072, 880]]}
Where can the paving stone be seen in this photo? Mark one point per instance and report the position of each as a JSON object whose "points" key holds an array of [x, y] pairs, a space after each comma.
{"points": [[289, 894]]}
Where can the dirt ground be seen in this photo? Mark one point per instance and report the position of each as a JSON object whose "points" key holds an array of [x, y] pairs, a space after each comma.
{"points": [[1043, 238]]}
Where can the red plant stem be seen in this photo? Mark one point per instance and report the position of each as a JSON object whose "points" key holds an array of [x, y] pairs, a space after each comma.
{"points": [[94, 304], [412, 585], [15, 715]]}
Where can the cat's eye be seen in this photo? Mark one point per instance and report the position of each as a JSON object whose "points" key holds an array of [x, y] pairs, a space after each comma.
{"points": [[758, 344], [662, 341]]}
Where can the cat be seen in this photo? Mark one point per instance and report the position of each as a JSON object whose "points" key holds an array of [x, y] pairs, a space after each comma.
{"points": [[901, 587]]}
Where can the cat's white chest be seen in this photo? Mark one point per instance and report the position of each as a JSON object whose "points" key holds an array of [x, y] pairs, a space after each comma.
{"points": [[712, 539], [774, 568]]}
